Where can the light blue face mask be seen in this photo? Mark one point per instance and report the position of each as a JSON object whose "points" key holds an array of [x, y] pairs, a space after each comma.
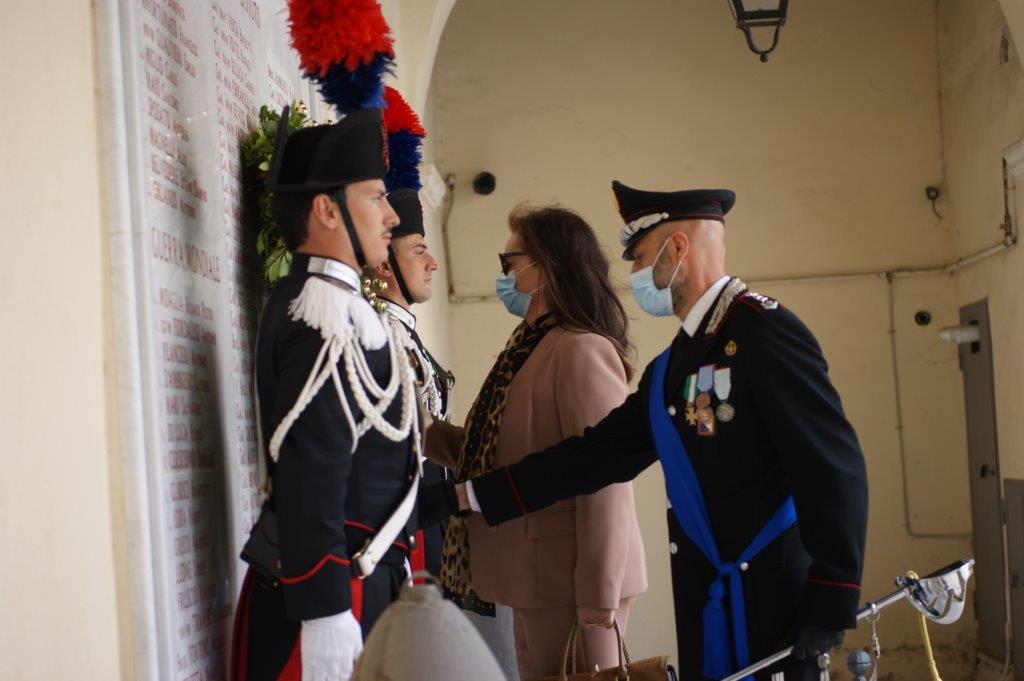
{"points": [[514, 300], [651, 299]]}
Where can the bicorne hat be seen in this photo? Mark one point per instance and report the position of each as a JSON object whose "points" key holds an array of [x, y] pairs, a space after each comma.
{"points": [[406, 203], [329, 156]]}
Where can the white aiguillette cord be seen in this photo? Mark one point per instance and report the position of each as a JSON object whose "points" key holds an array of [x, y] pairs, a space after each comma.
{"points": [[430, 395], [347, 322]]}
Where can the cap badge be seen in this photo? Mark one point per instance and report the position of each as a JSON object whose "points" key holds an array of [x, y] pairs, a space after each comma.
{"points": [[641, 223]]}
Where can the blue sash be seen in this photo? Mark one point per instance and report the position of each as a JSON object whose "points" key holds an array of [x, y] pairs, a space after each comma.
{"points": [[688, 505]]}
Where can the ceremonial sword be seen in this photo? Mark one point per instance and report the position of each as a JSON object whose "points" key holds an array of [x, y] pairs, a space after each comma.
{"points": [[939, 597]]}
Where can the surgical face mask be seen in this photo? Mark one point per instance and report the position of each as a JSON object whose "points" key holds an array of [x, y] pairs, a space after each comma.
{"points": [[514, 300], [651, 299]]}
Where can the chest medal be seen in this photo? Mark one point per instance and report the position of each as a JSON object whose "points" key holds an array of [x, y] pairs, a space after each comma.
{"points": [[691, 415], [723, 386], [690, 395], [705, 415], [700, 410]]}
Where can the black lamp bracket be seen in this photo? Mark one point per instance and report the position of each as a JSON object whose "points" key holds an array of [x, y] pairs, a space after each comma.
{"points": [[763, 54], [759, 18]]}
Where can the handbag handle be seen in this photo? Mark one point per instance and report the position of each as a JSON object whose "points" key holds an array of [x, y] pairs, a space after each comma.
{"points": [[572, 642]]}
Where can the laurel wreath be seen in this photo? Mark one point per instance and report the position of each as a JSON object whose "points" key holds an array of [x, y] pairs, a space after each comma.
{"points": [[257, 150]]}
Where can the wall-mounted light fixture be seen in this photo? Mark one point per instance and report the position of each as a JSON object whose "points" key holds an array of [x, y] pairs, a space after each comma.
{"points": [[750, 14]]}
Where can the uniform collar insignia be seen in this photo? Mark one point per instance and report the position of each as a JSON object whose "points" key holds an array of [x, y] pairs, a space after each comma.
{"points": [[730, 294], [400, 313], [762, 300], [334, 269], [691, 354]]}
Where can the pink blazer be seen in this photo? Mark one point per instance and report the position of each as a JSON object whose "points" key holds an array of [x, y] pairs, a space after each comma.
{"points": [[585, 551]]}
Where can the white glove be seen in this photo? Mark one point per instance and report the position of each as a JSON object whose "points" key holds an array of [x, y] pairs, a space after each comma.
{"points": [[330, 647]]}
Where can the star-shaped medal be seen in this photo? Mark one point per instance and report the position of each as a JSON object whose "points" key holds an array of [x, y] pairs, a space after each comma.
{"points": [[691, 415]]}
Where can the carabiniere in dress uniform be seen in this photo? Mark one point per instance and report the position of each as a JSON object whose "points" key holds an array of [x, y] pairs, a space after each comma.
{"points": [[434, 383], [338, 410]]}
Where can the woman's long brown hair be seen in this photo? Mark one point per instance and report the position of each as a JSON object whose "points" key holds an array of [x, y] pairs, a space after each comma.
{"points": [[579, 289]]}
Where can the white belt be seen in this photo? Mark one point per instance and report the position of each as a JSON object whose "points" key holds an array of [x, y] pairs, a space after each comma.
{"points": [[365, 561]]}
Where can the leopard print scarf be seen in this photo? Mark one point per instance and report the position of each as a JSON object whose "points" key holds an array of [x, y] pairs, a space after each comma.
{"points": [[476, 457]]}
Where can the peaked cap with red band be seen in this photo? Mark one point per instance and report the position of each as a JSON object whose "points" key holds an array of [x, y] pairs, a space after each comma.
{"points": [[643, 210]]}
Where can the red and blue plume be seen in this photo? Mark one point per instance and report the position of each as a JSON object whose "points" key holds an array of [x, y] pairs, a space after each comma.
{"points": [[360, 88], [405, 156], [328, 32], [398, 115], [345, 46], [405, 142]]}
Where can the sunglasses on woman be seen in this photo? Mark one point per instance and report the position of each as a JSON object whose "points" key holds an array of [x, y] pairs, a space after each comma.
{"points": [[503, 258]]}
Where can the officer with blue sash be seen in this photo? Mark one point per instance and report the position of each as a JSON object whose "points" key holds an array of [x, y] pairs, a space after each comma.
{"points": [[765, 478]]}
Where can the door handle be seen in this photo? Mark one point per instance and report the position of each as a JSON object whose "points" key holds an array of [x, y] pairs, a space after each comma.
{"points": [[986, 471]]}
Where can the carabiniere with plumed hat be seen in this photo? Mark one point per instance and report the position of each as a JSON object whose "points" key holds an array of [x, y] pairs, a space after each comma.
{"points": [[337, 405]]}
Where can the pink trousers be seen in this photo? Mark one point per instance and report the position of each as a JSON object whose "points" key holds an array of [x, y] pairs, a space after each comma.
{"points": [[540, 635]]}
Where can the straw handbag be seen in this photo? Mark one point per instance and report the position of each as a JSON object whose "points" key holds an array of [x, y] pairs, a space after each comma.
{"points": [[651, 669]]}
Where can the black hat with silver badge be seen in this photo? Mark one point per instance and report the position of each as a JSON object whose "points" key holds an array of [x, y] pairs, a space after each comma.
{"points": [[644, 210]]}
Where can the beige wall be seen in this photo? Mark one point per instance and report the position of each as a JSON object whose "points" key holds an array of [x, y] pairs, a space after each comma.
{"points": [[829, 147], [983, 113], [59, 597], [1013, 10]]}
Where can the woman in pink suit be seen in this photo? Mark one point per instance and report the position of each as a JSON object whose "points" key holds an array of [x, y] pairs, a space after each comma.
{"points": [[563, 369]]}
